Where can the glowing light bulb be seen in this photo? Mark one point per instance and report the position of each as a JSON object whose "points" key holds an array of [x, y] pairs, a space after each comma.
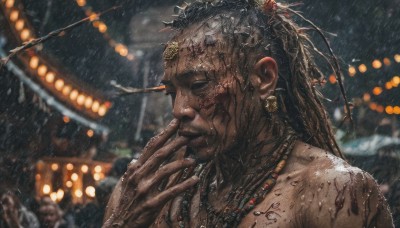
{"points": [[46, 189], [373, 106], [95, 106], [10, 3], [81, 2], [60, 194], [67, 90], [388, 85], [396, 110], [352, 71], [93, 17], [54, 166], [396, 81], [124, 51], [53, 196], [88, 102], [19, 25], [380, 109], [367, 97], [131, 57], [96, 176], [34, 62], [70, 166], [25, 34], [42, 70], [102, 110], [69, 184], [74, 94], [38, 177], [102, 27], [376, 64], [81, 99], [96, 24], [362, 68], [78, 193], [377, 91], [332, 79], [90, 191], [50, 76], [397, 58], [90, 133], [389, 110], [74, 177], [66, 119], [84, 168], [118, 47], [98, 169], [387, 61], [14, 15], [59, 84]]}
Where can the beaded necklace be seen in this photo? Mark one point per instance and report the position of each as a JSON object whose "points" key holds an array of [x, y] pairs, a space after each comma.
{"points": [[241, 199]]}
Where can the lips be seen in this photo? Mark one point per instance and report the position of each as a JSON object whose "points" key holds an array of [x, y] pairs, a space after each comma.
{"points": [[196, 139]]}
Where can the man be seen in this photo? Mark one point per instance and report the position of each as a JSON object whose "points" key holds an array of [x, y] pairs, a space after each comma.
{"points": [[253, 147], [14, 214], [50, 215]]}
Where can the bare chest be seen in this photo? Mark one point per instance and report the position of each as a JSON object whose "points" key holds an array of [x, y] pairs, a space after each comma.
{"points": [[278, 209]]}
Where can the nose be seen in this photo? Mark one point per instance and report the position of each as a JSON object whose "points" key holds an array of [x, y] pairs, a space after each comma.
{"points": [[182, 107]]}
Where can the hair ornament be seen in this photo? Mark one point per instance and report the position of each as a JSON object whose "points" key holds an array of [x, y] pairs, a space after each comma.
{"points": [[269, 6]]}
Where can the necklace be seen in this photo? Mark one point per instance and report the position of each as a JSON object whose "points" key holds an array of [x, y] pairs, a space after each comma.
{"points": [[243, 198]]}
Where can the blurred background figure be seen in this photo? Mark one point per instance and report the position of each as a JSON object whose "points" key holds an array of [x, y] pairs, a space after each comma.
{"points": [[68, 208], [91, 216], [14, 214], [50, 214]]}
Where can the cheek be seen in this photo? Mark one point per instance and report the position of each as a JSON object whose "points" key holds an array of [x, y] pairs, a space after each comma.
{"points": [[216, 101]]}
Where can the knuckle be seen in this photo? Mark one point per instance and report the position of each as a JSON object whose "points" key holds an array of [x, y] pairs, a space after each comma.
{"points": [[134, 178], [147, 205], [163, 169]]}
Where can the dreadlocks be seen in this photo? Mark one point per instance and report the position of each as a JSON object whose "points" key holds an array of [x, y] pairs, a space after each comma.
{"points": [[254, 33]]}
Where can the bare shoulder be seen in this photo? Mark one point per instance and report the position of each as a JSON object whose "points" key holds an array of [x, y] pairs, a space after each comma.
{"points": [[318, 189], [336, 194]]}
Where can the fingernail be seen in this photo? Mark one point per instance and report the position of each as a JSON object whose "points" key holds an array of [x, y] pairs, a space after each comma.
{"points": [[195, 178], [190, 159]]}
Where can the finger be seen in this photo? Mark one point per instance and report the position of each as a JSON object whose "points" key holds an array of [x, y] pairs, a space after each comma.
{"points": [[160, 156], [162, 198], [171, 168], [159, 140]]}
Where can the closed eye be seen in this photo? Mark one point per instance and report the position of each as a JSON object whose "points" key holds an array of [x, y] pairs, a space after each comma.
{"points": [[198, 85]]}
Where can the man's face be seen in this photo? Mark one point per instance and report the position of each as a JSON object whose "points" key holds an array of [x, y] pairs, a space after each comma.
{"points": [[204, 83], [48, 215]]}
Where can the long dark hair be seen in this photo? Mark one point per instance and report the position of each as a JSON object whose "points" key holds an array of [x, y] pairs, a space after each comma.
{"points": [[280, 37]]}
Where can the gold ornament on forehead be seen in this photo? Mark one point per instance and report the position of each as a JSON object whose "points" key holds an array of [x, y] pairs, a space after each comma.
{"points": [[171, 51]]}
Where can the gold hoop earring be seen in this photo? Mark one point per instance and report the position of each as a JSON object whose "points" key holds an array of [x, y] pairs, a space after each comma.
{"points": [[271, 104]]}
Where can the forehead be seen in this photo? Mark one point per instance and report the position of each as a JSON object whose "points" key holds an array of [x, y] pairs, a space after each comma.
{"points": [[198, 48]]}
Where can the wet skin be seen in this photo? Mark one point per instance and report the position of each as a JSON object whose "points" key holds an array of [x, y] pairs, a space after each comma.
{"points": [[315, 189]]}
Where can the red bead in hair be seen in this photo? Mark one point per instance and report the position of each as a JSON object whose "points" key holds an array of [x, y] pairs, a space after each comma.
{"points": [[269, 5]]}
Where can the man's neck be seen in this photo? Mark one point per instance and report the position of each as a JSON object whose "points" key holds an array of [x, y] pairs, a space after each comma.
{"points": [[261, 152]]}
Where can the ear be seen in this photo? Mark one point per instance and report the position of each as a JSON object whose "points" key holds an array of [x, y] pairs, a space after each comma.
{"points": [[265, 77]]}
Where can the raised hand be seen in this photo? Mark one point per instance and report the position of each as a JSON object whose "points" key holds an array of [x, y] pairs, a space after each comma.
{"points": [[141, 201]]}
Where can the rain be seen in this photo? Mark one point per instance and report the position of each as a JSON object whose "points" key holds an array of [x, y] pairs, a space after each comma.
{"points": [[87, 89]]}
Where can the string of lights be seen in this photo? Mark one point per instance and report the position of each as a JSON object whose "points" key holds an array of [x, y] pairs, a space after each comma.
{"points": [[375, 64], [101, 26], [78, 177], [377, 90], [61, 86]]}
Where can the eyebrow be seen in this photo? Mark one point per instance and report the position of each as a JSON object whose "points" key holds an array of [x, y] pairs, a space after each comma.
{"points": [[185, 74]]}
